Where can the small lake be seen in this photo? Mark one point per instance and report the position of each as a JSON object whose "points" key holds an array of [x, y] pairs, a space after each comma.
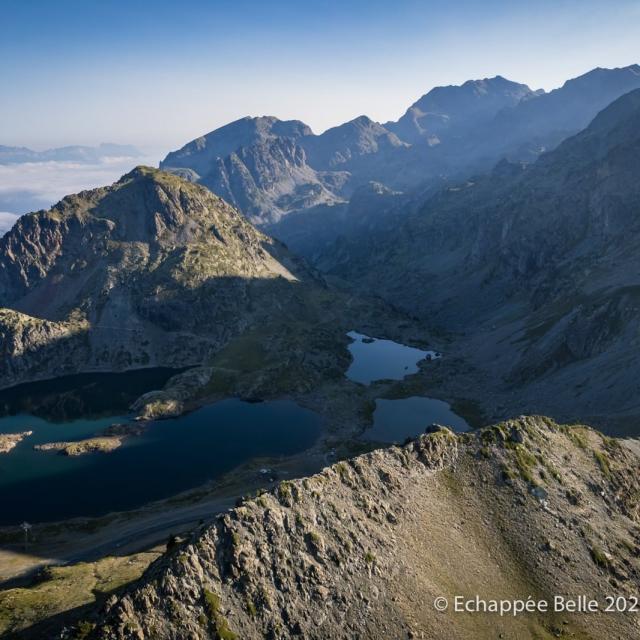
{"points": [[375, 359], [170, 457], [396, 420]]}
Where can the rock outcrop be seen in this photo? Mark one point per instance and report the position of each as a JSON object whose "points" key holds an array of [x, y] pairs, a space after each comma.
{"points": [[524, 509], [81, 447], [8, 441], [153, 270]]}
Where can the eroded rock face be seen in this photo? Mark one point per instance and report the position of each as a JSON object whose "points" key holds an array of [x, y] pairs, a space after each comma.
{"points": [[32, 348], [362, 549]]}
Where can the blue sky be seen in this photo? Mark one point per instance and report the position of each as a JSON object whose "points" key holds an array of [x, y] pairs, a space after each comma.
{"points": [[157, 73]]}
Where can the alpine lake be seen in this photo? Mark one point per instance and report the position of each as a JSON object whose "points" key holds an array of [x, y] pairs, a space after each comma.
{"points": [[173, 455]]}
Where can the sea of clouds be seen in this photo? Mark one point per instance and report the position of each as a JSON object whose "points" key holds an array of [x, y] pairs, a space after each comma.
{"points": [[39, 185]]}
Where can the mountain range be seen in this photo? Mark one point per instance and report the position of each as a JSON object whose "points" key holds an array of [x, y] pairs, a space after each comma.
{"points": [[501, 222], [81, 154], [271, 169]]}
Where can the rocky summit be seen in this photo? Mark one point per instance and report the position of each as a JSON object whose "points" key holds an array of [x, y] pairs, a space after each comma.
{"points": [[153, 270], [524, 509]]}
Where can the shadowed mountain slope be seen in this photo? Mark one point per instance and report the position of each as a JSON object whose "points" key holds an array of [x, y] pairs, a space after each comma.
{"points": [[538, 266], [152, 270]]}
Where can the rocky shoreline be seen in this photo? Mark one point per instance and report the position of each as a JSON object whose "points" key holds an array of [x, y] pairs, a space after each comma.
{"points": [[527, 506]]}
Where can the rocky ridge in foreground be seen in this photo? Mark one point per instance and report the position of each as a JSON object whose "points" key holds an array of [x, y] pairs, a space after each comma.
{"points": [[526, 508]]}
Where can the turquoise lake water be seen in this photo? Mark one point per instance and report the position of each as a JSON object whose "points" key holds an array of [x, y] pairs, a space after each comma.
{"points": [[170, 457]]}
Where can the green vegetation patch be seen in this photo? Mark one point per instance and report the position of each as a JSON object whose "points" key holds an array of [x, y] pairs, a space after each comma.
{"points": [[217, 620], [603, 462], [599, 557], [61, 589], [578, 436], [524, 461]]}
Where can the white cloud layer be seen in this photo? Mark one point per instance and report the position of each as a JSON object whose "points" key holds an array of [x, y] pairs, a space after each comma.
{"points": [[38, 185]]}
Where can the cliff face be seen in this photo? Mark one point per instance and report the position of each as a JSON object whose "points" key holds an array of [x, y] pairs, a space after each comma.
{"points": [[522, 509], [269, 179], [32, 347]]}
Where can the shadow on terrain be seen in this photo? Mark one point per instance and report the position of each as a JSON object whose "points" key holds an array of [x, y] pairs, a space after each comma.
{"points": [[82, 395]]}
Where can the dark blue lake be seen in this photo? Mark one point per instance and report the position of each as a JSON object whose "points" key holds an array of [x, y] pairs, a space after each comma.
{"points": [[395, 420], [376, 359], [170, 457]]}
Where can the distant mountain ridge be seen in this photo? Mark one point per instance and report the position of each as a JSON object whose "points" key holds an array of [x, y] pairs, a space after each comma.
{"points": [[444, 110], [271, 168], [82, 154], [200, 154]]}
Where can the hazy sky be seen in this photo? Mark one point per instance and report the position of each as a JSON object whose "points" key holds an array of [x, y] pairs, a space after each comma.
{"points": [[159, 73]]}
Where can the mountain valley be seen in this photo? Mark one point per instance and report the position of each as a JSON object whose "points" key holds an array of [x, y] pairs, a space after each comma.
{"points": [[193, 337]]}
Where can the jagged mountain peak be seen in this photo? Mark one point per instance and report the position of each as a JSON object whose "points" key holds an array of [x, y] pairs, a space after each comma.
{"points": [[151, 270], [350, 143], [146, 222], [361, 126], [443, 109], [200, 154]]}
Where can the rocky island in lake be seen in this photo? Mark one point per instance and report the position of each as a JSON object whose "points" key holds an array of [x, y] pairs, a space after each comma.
{"points": [[110, 439], [8, 441]]}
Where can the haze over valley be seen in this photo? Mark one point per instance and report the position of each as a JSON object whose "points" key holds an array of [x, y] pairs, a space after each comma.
{"points": [[320, 371]]}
